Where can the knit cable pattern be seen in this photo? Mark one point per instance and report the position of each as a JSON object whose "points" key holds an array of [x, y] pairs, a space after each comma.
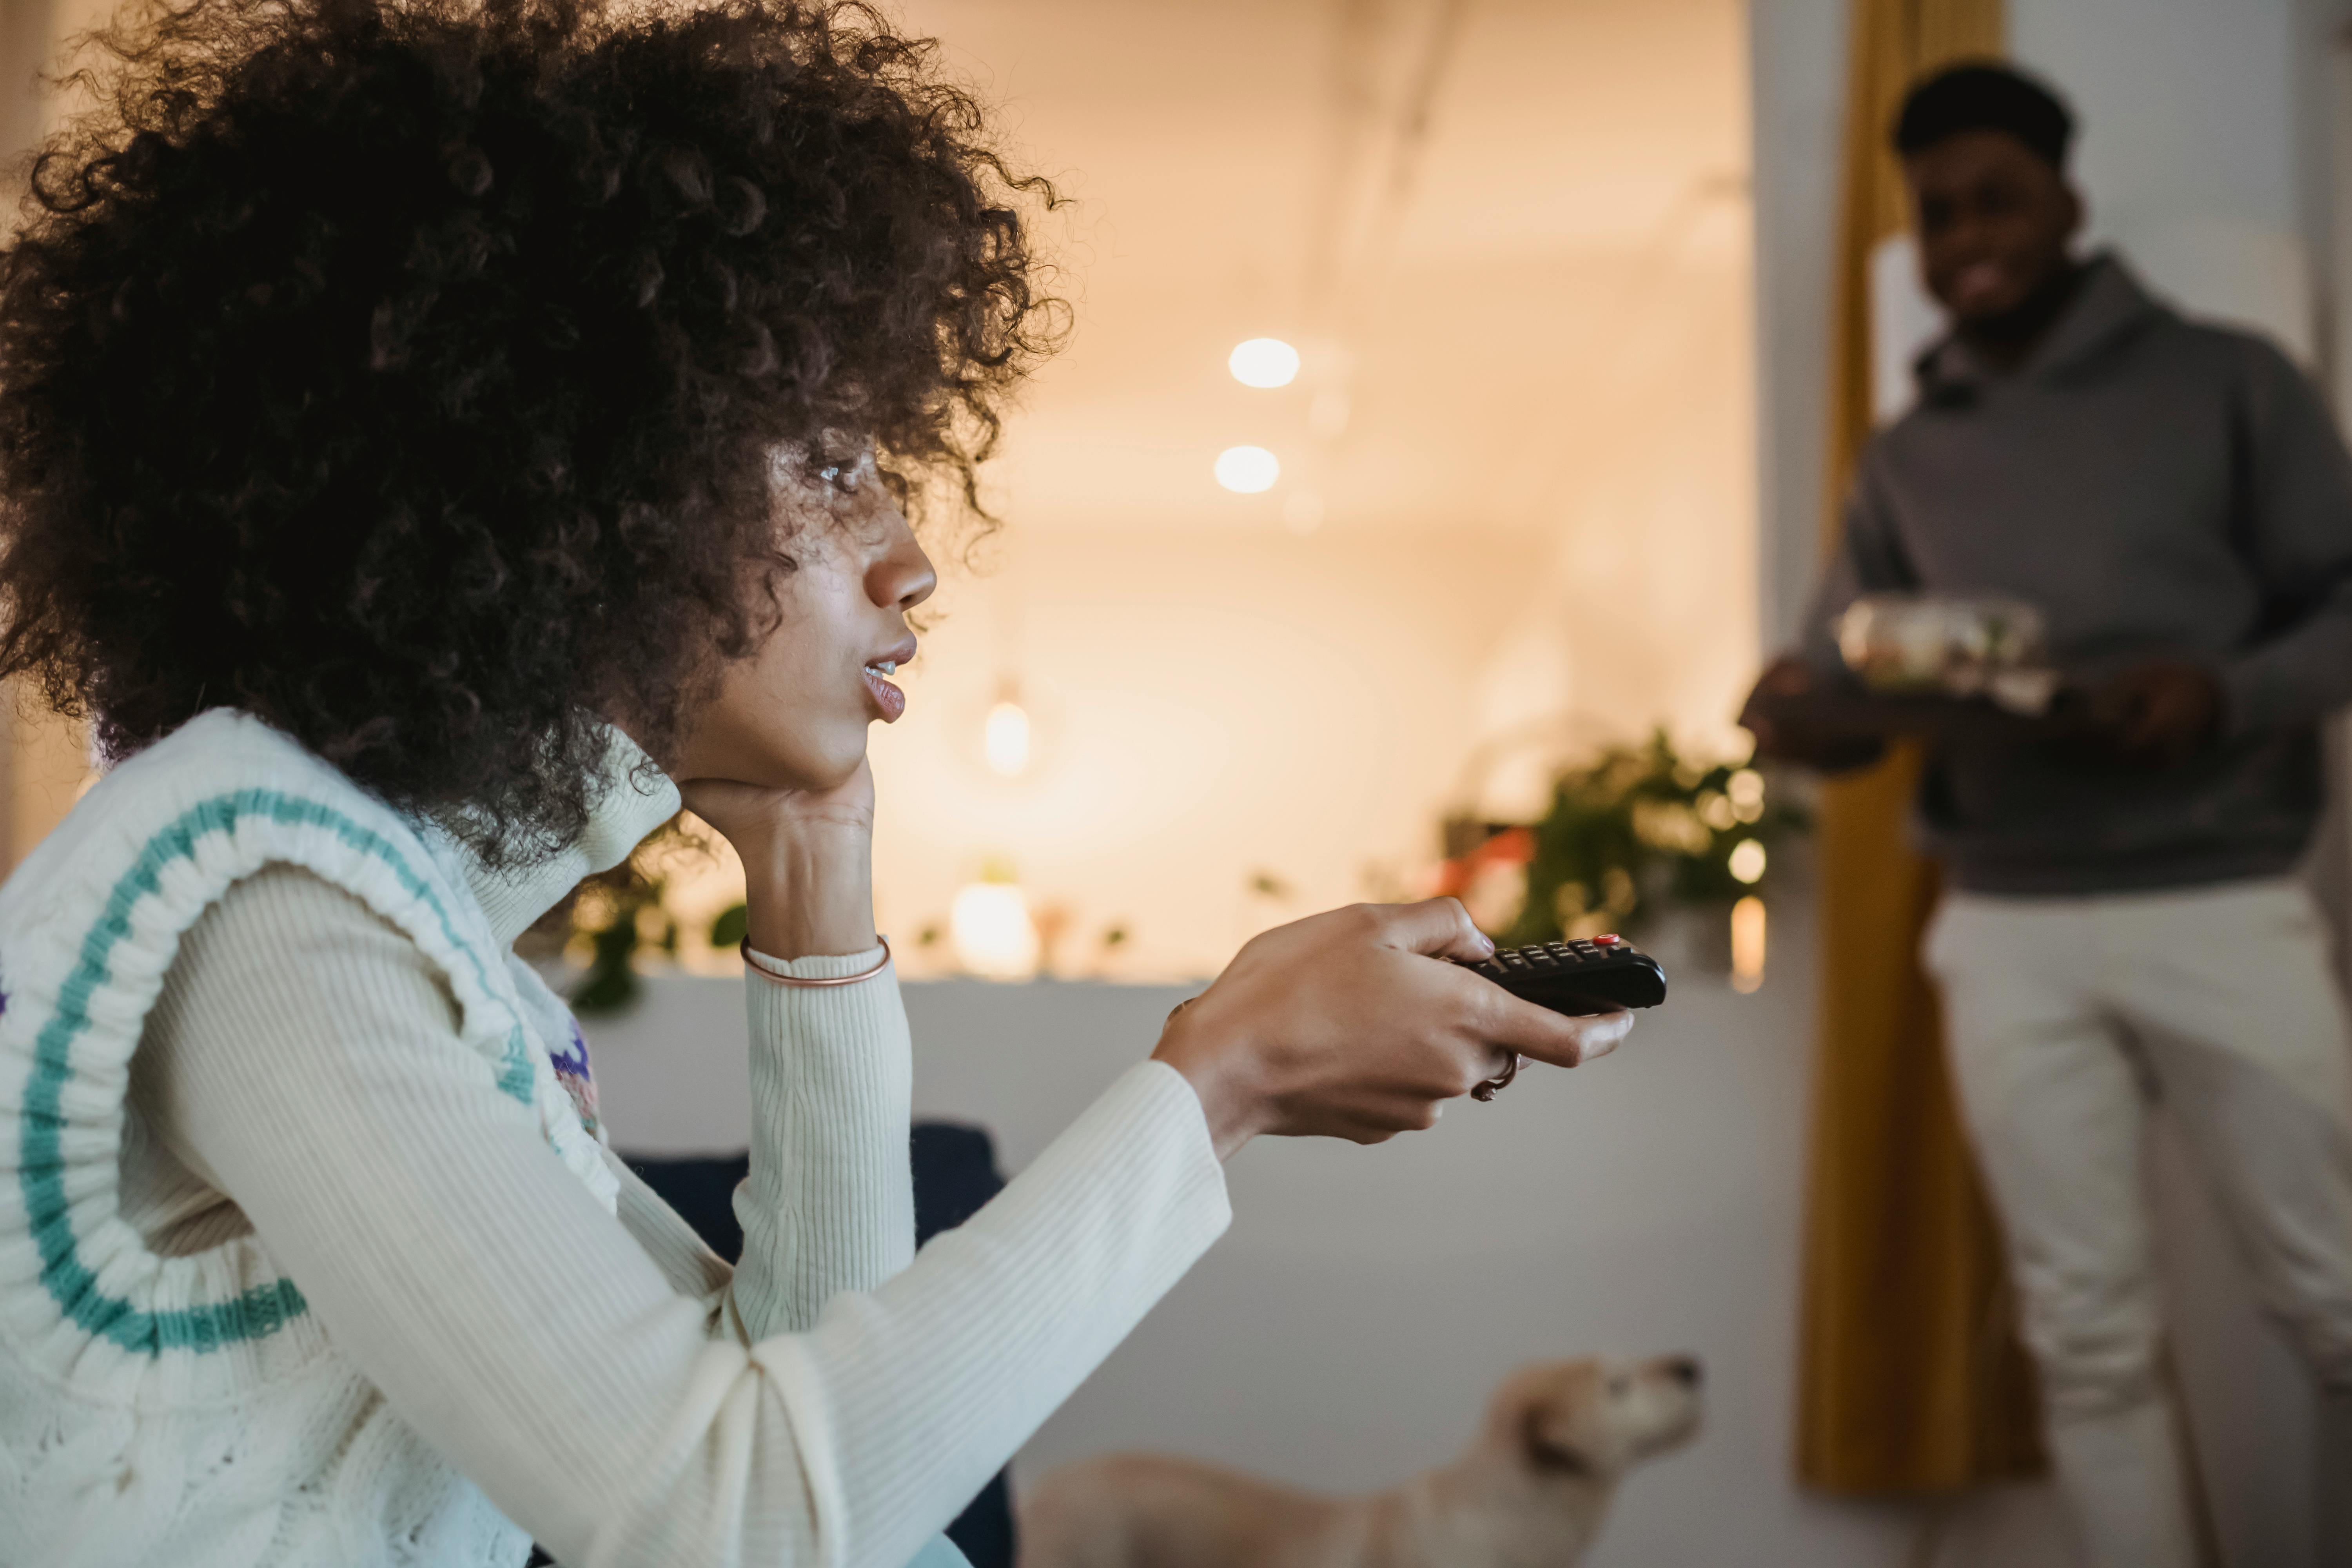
{"points": [[129, 1380]]}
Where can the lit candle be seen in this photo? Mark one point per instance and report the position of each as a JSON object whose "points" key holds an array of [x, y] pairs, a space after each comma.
{"points": [[989, 923], [1747, 944], [1005, 738]]}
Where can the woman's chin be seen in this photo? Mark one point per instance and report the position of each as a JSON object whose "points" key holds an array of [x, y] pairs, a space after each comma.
{"points": [[799, 774], [821, 775], [836, 778]]}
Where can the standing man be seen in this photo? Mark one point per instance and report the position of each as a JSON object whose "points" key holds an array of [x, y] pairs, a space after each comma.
{"points": [[2122, 921]]}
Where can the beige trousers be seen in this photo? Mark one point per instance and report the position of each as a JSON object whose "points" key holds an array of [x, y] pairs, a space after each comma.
{"points": [[2066, 1016]]}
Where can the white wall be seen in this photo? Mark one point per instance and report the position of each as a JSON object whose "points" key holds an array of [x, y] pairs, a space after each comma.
{"points": [[2186, 106], [2190, 149], [1797, 51]]}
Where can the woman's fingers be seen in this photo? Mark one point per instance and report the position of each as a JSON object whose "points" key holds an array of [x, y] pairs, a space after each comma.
{"points": [[1601, 1033], [1350, 1025], [1549, 1036], [1439, 928]]}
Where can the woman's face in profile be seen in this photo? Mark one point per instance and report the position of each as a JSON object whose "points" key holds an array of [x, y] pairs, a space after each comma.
{"points": [[793, 714]]}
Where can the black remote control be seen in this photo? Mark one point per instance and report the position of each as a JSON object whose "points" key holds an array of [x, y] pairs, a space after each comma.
{"points": [[1585, 976]]}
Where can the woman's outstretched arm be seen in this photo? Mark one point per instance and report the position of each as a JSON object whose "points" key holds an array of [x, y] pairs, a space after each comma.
{"points": [[303, 1059]]}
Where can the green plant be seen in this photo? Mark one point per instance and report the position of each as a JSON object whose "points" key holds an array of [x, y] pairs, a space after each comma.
{"points": [[611, 916], [1640, 829], [730, 926], [618, 915]]}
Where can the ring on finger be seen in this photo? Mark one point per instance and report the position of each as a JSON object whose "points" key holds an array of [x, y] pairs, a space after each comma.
{"points": [[1500, 1081]]}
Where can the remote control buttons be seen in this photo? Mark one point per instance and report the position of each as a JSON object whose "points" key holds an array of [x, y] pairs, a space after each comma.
{"points": [[1577, 977]]}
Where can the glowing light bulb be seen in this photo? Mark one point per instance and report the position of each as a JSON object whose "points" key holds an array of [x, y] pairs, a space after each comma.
{"points": [[1264, 362], [1004, 738], [995, 937], [1747, 943], [1247, 470], [1745, 789], [1747, 862]]}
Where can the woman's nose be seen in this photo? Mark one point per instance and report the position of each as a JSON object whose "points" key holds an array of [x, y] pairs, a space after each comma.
{"points": [[903, 577]]}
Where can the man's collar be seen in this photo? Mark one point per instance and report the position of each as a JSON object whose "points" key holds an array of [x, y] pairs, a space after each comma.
{"points": [[2108, 302]]}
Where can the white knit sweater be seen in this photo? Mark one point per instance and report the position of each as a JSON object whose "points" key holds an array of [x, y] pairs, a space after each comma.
{"points": [[304, 1258]]}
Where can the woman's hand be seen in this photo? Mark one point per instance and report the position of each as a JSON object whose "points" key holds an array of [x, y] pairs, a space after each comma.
{"points": [[808, 861], [1347, 1024]]}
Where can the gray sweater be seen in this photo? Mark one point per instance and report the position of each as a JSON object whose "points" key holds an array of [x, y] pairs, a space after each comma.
{"points": [[2158, 487]]}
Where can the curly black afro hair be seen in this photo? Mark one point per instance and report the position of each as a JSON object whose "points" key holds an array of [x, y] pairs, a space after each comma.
{"points": [[410, 372]]}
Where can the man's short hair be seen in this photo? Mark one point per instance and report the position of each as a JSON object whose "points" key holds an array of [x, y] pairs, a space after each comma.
{"points": [[1982, 96]]}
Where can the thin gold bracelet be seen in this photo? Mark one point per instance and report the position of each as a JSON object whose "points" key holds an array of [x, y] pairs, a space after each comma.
{"points": [[772, 978]]}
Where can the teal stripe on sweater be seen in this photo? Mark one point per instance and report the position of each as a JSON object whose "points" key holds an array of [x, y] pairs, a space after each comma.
{"points": [[41, 1173]]}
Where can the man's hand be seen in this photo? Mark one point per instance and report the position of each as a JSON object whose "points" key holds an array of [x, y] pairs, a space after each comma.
{"points": [[1787, 681], [2157, 714]]}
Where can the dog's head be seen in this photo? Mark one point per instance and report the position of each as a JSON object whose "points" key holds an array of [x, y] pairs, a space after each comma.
{"points": [[1598, 1417]]}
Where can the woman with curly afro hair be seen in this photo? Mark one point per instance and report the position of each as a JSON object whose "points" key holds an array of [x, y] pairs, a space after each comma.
{"points": [[437, 438]]}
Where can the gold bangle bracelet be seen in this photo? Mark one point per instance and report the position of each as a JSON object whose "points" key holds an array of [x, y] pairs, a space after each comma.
{"points": [[772, 978]]}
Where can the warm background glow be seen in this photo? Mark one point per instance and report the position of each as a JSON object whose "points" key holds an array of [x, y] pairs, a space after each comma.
{"points": [[1514, 508], [1513, 515]]}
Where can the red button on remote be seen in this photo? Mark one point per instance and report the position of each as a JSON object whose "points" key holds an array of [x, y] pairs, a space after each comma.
{"points": [[1607, 941]]}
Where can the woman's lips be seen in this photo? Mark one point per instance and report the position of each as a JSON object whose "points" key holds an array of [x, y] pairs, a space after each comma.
{"points": [[888, 701]]}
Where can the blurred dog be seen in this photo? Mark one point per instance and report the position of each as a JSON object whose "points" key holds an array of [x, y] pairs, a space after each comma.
{"points": [[1530, 1493]]}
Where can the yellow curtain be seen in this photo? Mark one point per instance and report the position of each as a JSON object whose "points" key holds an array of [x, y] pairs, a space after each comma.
{"points": [[1911, 1379]]}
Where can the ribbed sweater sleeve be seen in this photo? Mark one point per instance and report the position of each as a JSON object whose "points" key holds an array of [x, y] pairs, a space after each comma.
{"points": [[303, 1058], [829, 1205]]}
